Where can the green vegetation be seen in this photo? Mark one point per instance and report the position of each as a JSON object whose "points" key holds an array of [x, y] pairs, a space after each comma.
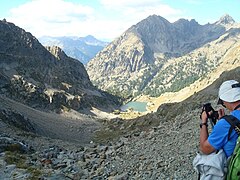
{"points": [[14, 157], [155, 80], [13, 148]]}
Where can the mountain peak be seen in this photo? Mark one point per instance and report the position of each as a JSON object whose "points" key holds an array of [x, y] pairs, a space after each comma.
{"points": [[90, 37], [56, 51], [185, 21], [155, 17], [145, 51], [226, 19]]}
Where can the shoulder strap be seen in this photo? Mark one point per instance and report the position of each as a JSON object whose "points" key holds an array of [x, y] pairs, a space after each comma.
{"points": [[234, 122]]}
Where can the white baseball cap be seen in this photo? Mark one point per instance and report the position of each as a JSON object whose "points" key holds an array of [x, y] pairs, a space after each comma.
{"points": [[229, 91]]}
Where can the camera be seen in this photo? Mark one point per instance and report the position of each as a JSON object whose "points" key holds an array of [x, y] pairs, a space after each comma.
{"points": [[214, 116]]}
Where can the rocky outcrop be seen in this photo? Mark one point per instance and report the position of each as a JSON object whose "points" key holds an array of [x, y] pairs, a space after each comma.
{"points": [[128, 65], [16, 119], [12, 145], [226, 20]]}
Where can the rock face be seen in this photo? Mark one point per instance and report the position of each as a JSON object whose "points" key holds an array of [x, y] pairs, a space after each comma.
{"points": [[44, 77], [154, 46], [16, 119]]}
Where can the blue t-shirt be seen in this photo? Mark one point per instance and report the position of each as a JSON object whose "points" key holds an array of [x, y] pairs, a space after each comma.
{"points": [[219, 136]]}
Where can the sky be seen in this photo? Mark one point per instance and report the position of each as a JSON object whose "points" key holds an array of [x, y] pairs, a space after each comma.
{"points": [[107, 19]]}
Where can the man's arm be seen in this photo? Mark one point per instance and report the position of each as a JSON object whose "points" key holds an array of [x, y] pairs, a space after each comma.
{"points": [[205, 146]]}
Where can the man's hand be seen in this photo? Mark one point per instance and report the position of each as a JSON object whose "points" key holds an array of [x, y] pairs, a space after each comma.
{"points": [[221, 113], [204, 117], [205, 146]]}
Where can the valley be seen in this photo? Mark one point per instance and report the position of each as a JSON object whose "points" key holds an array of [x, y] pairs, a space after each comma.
{"points": [[60, 119]]}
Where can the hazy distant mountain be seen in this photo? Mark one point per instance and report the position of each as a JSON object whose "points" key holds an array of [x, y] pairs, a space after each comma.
{"points": [[44, 78], [81, 48], [155, 56]]}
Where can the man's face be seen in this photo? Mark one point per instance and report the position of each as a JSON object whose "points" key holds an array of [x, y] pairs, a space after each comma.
{"points": [[222, 103]]}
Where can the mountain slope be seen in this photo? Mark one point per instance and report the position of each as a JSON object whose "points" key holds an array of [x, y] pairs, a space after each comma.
{"points": [[128, 65], [167, 149], [31, 74], [46, 124]]}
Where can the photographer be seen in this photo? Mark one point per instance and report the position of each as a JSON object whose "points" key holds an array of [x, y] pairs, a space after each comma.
{"points": [[215, 148], [229, 97]]}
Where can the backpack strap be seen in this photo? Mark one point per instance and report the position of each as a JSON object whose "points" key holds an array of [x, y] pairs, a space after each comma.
{"points": [[234, 122]]}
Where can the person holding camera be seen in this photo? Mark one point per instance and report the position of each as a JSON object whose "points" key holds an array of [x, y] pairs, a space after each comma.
{"points": [[219, 145], [229, 97]]}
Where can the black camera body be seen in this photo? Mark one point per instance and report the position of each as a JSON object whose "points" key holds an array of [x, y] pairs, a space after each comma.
{"points": [[214, 116]]}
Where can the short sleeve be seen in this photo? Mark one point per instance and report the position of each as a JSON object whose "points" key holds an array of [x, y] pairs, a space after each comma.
{"points": [[219, 136]]}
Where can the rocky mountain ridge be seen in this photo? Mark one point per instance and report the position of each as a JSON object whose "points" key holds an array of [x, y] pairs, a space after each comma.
{"points": [[31, 74], [138, 61]]}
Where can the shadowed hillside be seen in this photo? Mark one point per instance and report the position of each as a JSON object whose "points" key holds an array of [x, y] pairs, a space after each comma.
{"points": [[45, 78]]}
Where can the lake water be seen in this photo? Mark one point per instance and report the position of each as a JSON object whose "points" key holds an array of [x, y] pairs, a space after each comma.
{"points": [[137, 106]]}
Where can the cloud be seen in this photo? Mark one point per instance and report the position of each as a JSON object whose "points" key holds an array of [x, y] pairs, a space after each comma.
{"points": [[54, 8], [107, 21], [136, 10], [127, 3], [55, 18]]}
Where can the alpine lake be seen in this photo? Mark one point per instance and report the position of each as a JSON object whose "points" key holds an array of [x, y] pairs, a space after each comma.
{"points": [[135, 106]]}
